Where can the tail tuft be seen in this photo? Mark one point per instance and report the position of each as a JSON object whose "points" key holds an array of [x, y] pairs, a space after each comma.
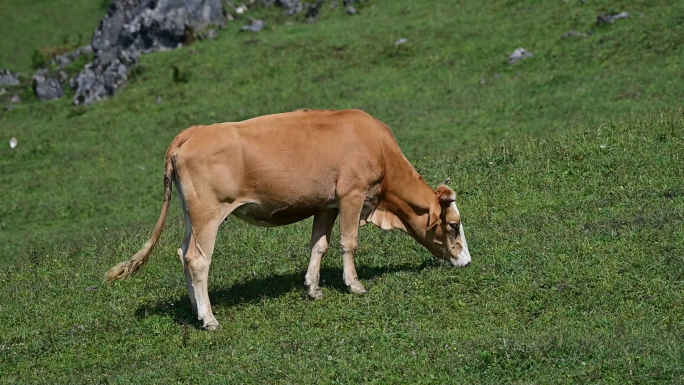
{"points": [[120, 271]]}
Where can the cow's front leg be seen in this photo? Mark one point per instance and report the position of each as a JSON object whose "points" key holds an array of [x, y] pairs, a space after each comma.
{"points": [[320, 239], [350, 213]]}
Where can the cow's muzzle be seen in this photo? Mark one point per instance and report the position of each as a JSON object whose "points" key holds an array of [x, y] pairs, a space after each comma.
{"points": [[463, 259]]}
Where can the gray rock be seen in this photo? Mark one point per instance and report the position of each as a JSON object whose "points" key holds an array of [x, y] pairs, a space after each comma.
{"points": [[134, 27], [203, 13], [570, 34], [99, 81], [518, 55], [351, 10], [86, 49], [7, 77], [2, 91], [106, 37], [15, 99], [312, 11], [47, 88], [291, 6], [609, 18], [256, 26]]}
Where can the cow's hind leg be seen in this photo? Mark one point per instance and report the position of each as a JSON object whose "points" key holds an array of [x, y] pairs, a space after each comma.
{"points": [[182, 252], [320, 239], [350, 213], [197, 261], [202, 221]]}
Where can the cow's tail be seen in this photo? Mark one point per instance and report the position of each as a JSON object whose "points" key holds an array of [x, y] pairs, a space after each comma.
{"points": [[128, 268]]}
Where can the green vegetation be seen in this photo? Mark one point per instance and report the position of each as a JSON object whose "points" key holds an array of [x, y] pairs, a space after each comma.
{"points": [[567, 168], [32, 29]]}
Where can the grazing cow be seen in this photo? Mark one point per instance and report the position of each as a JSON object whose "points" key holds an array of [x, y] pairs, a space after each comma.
{"points": [[279, 169]]}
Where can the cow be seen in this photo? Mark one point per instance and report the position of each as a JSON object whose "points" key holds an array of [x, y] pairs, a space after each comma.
{"points": [[279, 169]]}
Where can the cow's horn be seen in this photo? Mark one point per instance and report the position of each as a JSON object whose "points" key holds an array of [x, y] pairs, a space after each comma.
{"points": [[447, 180]]}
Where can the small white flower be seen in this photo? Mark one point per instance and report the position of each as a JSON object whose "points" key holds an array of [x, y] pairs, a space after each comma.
{"points": [[602, 146], [241, 9], [401, 41], [13, 143]]}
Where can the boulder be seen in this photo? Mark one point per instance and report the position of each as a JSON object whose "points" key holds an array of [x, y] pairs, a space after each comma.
{"points": [[9, 78], [203, 13], [518, 55], [291, 7], [256, 26], [143, 26], [98, 81], [609, 18], [134, 27], [47, 88]]}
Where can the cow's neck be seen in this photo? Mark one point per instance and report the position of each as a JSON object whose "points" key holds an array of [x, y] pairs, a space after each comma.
{"points": [[406, 200]]}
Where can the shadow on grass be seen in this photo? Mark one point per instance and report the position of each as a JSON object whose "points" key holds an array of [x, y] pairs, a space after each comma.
{"points": [[252, 291]]}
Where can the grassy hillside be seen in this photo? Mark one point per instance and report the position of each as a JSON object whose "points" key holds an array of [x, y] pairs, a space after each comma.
{"points": [[577, 278], [74, 166], [566, 167], [29, 25]]}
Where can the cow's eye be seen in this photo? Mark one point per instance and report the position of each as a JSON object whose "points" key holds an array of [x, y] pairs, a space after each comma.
{"points": [[454, 225]]}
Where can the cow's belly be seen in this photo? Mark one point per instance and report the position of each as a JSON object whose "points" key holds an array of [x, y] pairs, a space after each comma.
{"points": [[271, 215], [276, 212]]}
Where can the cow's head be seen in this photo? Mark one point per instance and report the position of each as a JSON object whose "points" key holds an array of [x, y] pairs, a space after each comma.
{"points": [[445, 237]]}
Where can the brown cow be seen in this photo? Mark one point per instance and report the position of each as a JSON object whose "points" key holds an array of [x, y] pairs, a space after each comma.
{"points": [[279, 169]]}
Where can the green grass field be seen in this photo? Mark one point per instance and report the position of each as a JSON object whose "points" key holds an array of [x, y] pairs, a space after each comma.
{"points": [[28, 26], [567, 166]]}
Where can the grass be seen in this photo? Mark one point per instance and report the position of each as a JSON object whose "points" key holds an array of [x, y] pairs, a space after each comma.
{"points": [[28, 26], [565, 166]]}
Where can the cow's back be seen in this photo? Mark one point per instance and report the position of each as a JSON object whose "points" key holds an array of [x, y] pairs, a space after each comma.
{"points": [[303, 158]]}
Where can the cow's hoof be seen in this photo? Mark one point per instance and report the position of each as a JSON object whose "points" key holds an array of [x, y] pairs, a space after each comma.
{"points": [[211, 325], [357, 288], [315, 292]]}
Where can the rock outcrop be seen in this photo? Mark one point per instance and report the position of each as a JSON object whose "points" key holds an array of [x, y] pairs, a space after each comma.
{"points": [[48, 87], [134, 27]]}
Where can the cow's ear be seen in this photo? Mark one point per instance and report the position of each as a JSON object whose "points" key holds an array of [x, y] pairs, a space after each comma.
{"points": [[433, 215], [446, 195]]}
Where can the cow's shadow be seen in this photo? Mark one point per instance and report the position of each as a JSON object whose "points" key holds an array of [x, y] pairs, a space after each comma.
{"points": [[253, 291]]}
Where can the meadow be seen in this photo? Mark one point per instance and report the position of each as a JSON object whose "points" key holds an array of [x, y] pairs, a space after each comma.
{"points": [[568, 173]]}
